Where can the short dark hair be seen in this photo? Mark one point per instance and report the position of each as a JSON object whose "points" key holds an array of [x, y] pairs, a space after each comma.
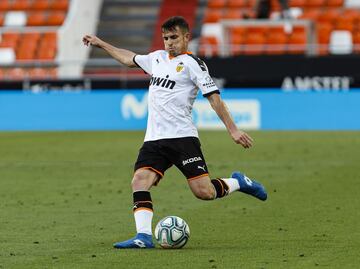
{"points": [[171, 23]]}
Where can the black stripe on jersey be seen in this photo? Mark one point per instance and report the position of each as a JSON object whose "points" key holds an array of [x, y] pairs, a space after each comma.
{"points": [[211, 93], [138, 65], [199, 61]]}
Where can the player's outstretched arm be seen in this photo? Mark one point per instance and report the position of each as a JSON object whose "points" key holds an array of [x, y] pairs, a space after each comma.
{"points": [[222, 111], [122, 55]]}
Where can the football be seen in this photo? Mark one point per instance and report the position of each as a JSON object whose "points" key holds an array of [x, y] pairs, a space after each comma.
{"points": [[172, 232]]}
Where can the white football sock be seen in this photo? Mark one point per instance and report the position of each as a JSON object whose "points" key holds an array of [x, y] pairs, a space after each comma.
{"points": [[143, 219], [232, 183]]}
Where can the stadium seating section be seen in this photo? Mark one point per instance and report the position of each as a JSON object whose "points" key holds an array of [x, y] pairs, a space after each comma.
{"points": [[29, 28], [328, 15]]}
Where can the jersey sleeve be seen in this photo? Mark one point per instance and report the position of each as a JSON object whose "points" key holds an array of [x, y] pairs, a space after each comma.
{"points": [[144, 62], [199, 74]]}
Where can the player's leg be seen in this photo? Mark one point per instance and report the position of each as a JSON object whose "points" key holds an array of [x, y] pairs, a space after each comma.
{"points": [[207, 189], [149, 169], [250, 186], [142, 181], [187, 155], [202, 188]]}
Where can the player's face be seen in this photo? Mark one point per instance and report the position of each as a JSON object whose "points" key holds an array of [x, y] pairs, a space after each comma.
{"points": [[175, 41]]}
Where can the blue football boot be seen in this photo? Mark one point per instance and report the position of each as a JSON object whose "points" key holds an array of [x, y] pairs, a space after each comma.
{"points": [[141, 240], [249, 186]]}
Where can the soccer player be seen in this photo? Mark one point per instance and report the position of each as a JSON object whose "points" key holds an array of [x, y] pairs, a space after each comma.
{"points": [[171, 137]]}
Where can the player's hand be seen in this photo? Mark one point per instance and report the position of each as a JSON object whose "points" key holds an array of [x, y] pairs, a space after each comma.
{"points": [[92, 40], [242, 138]]}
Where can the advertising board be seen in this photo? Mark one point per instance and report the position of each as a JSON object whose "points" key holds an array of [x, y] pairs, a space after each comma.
{"points": [[255, 109]]}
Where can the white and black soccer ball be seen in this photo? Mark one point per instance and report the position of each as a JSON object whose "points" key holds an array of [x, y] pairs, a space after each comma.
{"points": [[172, 232]]}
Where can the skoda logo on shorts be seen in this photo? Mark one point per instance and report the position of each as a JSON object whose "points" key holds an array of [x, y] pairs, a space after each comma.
{"points": [[191, 160]]}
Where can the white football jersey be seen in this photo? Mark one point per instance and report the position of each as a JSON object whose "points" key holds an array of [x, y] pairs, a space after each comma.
{"points": [[174, 85]]}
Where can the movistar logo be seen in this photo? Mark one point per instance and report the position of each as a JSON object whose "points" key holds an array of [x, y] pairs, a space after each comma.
{"points": [[163, 82]]}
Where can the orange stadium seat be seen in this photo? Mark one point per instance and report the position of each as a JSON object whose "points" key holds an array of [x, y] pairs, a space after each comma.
{"points": [[45, 43], [275, 41], [297, 43], [248, 13], [51, 72], [49, 37], [237, 3], [299, 30], [335, 3], [33, 46], [257, 30], [30, 38], [48, 45], [315, 3], [9, 40], [16, 73], [275, 30], [28, 46], [56, 18], [46, 53], [232, 14], [251, 3], [25, 53], [20, 73], [2, 73], [4, 5], [59, 5], [275, 5], [356, 42], [40, 5], [21, 5], [1, 19], [216, 3], [209, 46], [345, 23], [297, 3], [353, 13], [329, 15], [254, 43], [47, 48], [323, 32], [36, 18], [238, 31], [212, 15], [311, 14], [237, 39], [323, 35], [38, 73]]}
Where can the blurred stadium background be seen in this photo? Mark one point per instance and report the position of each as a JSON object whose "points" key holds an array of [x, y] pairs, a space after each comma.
{"points": [[296, 69]]}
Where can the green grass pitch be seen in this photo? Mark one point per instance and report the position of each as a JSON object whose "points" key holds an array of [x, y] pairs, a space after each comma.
{"points": [[65, 198]]}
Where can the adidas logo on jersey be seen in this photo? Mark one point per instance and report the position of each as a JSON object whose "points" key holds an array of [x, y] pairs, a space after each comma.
{"points": [[162, 82], [191, 160]]}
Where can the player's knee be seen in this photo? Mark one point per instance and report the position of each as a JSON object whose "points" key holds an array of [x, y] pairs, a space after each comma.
{"points": [[139, 181], [143, 180], [204, 194]]}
